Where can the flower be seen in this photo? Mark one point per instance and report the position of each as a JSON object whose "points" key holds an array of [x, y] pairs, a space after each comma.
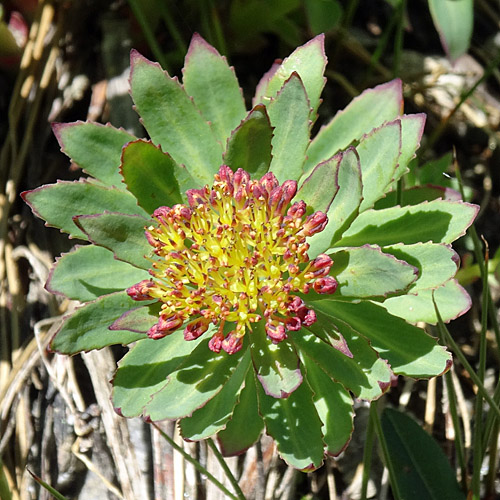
{"points": [[235, 255], [290, 254]]}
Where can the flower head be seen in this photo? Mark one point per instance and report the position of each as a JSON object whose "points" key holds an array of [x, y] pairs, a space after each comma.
{"points": [[235, 256]]}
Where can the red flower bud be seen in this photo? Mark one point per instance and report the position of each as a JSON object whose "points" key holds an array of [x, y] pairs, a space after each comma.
{"points": [[140, 291], [232, 343], [195, 328], [325, 285], [315, 223]]}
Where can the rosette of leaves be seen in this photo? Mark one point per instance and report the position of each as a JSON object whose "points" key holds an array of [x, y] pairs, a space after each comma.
{"points": [[391, 251]]}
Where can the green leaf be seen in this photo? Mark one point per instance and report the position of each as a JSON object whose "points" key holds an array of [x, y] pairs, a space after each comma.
{"points": [[345, 205], [172, 120], [408, 349], [95, 148], [422, 469], [249, 146], [88, 272], [320, 188], [334, 406], [122, 234], [294, 424], [368, 272], [145, 369], [309, 61], [213, 417], [212, 84], [379, 153], [438, 221], [364, 113], [246, 424], [58, 203], [201, 376], [363, 373], [276, 365], [289, 115], [451, 298], [454, 21], [436, 263], [88, 327], [150, 175]]}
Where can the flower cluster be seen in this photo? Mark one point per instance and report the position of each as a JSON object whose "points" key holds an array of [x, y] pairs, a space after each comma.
{"points": [[235, 255]]}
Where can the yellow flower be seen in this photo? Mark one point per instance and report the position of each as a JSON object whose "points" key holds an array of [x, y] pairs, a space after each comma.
{"points": [[235, 256]]}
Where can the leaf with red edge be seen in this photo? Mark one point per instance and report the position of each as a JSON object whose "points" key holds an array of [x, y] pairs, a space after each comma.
{"points": [[334, 406], [289, 115], [294, 424], [145, 369], [276, 365], [212, 84], [95, 148], [88, 327], [246, 424], [58, 203], [363, 372], [364, 113], [212, 417], [201, 376], [309, 62], [89, 271], [140, 319], [150, 175], [121, 233], [345, 205], [172, 120]]}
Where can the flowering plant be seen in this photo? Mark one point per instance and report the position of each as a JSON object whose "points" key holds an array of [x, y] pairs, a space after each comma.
{"points": [[262, 278]]}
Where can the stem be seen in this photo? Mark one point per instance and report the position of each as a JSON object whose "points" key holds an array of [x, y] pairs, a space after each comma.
{"points": [[196, 464], [385, 451], [226, 468], [367, 455], [478, 426]]}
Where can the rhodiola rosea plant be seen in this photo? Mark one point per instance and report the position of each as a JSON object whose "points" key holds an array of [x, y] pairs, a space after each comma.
{"points": [[264, 279]]}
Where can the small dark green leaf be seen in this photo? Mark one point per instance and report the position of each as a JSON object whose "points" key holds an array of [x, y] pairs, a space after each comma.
{"points": [[294, 424], [122, 234], [212, 84], [172, 120], [249, 146], [245, 425], [95, 148], [421, 468], [150, 175], [89, 272], [139, 319], [58, 203], [88, 327]]}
